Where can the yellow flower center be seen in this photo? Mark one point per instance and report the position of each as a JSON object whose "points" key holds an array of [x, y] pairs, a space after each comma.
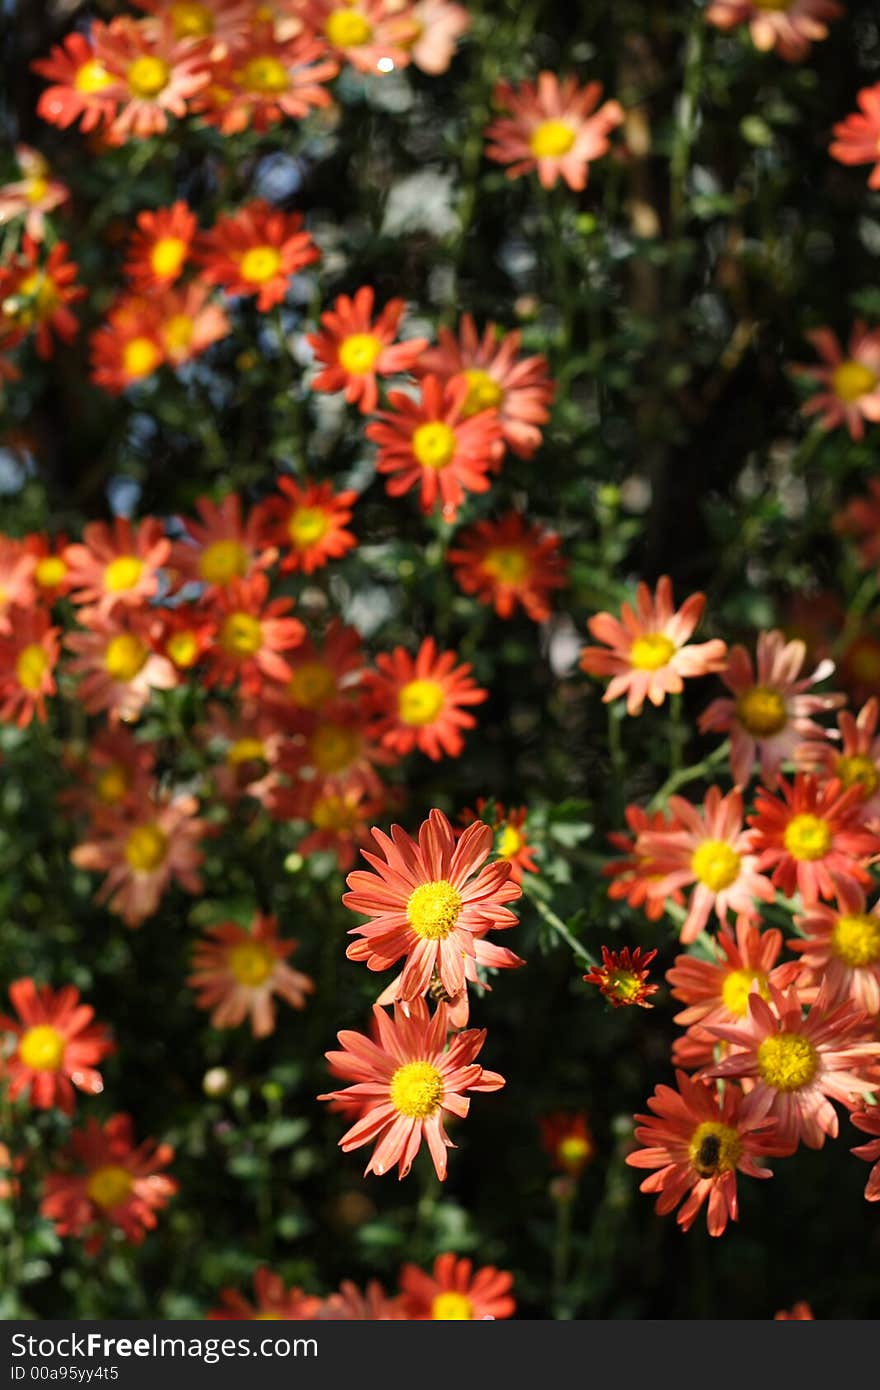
{"points": [[761, 711], [109, 1187], [650, 652], [624, 984], [434, 444], [264, 74], [177, 332], [858, 770], [856, 940], [451, 1307], [50, 571], [573, 1151], [140, 357], [146, 848], [241, 634], [787, 1061], [222, 561], [852, 380], [484, 393], [191, 20], [348, 28], [246, 750], [36, 188], [508, 843], [259, 264], [416, 1090], [359, 353], [772, 4], [31, 667], [716, 865], [42, 1048], [251, 963], [125, 656], [147, 76], [714, 1148], [551, 140], [122, 573], [420, 702], [334, 813], [307, 526], [432, 909], [508, 563], [737, 987], [92, 77], [334, 747], [168, 255], [39, 296], [807, 837], [112, 784], [183, 649], [311, 684]]}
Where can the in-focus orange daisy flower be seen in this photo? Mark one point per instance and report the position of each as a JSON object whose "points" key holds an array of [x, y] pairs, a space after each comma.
{"points": [[509, 563], [33, 195], [788, 26], [857, 137], [717, 991], [272, 1301], [422, 701], [141, 851], [254, 633], [433, 445], [441, 25], [772, 707], [796, 1061], [868, 1120], [455, 1292], [855, 761], [843, 949], [698, 1140], [116, 659], [633, 877], [268, 80], [36, 292], [354, 348], [255, 251], [622, 977], [27, 662], [511, 835], [17, 591], [222, 546], [57, 1046], [126, 348], [307, 524], [431, 901], [227, 23], [238, 971], [801, 1312], [404, 1082], [374, 36], [117, 563], [155, 75], [556, 128], [498, 377], [159, 248], [649, 654], [106, 1180], [568, 1140], [814, 839], [849, 383], [82, 88]]}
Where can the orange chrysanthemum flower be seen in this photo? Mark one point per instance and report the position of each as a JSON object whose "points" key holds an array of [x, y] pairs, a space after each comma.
{"points": [[455, 1292], [325, 675], [340, 818], [112, 773], [519, 388], [421, 702], [372, 35], [271, 1301], [185, 635], [698, 1140], [509, 563], [106, 1180], [569, 1141], [354, 348], [306, 524], [801, 1312], [332, 754], [155, 75], [17, 590], [650, 656], [432, 901], [855, 762], [82, 88], [33, 195], [857, 137], [869, 1122], [842, 948], [36, 292], [788, 26], [254, 633], [188, 322], [57, 1046], [221, 547], [115, 657], [404, 1081], [127, 348], [441, 25], [814, 838], [433, 444], [717, 991], [160, 247], [268, 80], [622, 977], [255, 251], [117, 563], [556, 128], [50, 573], [511, 835], [238, 971], [27, 662], [633, 877], [352, 1305], [849, 383]]}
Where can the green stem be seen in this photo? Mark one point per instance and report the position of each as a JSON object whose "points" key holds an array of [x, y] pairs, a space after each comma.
{"points": [[682, 776], [559, 926]]}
